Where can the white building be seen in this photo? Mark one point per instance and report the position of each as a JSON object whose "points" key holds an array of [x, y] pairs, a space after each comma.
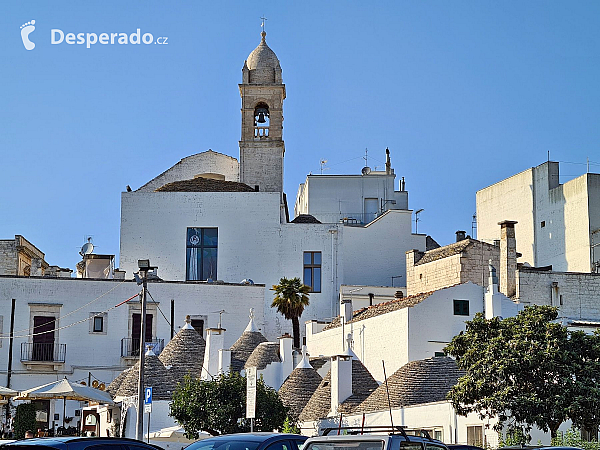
{"points": [[557, 224], [352, 199]]}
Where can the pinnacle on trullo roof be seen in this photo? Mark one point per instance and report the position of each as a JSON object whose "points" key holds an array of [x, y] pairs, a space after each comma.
{"points": [[245, 345]]}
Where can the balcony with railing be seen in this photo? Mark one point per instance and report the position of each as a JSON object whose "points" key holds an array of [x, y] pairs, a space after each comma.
{"points": [[36, 352], [130, 347]]}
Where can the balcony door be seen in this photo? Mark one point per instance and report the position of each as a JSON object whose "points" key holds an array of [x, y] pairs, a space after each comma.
{"points": [[136, 330], [43, 338]]}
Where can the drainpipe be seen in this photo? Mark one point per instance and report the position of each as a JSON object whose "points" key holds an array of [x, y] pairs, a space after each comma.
{"points": [[10, 353], [334, 300]]}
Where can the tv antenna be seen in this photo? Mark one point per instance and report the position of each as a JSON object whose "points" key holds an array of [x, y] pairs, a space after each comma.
{"points": [[220, 315], [323, 162]]}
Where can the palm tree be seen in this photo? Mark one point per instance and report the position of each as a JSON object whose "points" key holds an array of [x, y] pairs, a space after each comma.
{"points": [[291, 297]]}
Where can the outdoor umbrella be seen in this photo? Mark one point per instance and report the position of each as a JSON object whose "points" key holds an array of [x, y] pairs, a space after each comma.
{"points": [[6, 393], [67, 390]]}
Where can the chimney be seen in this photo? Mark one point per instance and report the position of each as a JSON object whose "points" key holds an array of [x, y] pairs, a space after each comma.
{"points": [[492, 301], [224, 360], [388, 163], [285, 353], [461, 235], [341, 377], [508, 258], [215, 340], [347, 310]]}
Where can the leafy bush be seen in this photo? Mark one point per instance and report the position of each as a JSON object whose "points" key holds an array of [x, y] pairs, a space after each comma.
{"points": [[572, 438], [24, 419]]}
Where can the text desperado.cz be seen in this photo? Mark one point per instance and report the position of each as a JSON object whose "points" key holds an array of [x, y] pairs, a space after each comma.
{"points": [[58, 36]]}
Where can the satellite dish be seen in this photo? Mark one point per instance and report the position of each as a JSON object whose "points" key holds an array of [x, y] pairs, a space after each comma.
{"points": [[95, 384], [86, 249], [366, 170]]}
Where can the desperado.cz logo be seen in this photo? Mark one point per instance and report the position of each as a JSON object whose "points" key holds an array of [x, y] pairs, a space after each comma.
{"points": [[58, 36]]}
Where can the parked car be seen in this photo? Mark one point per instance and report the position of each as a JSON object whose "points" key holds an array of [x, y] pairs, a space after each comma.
{"points": [[250, 441], [381, 439], [79, 443], [463, 447]]}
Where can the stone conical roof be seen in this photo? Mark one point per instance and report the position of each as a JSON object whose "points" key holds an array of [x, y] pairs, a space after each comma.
{"points": [[264, 354], [184, 354], [415, 383], [243, 348], [114, 385], [155, 376], [299, 386], [319, 405], [262, 63]]}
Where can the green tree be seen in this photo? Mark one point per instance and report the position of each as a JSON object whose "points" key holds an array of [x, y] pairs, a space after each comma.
{"points": [[524, 370], [218, 406], [291, 297], [24, 419]]}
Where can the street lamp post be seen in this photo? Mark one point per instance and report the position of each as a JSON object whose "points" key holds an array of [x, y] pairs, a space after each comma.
{"points": [[144, 266]]}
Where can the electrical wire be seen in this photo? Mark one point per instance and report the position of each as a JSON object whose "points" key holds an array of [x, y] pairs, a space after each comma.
{"points": [[72, 324], [156, 303], [66, 315]]}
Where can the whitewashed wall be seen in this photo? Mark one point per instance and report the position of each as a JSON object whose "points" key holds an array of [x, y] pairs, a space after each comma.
{"points": [[333, 197], [569, 213]]}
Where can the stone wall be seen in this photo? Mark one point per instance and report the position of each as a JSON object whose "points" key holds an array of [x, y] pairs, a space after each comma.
{"points": [[8, 257], [453, 266], [576, 294]]}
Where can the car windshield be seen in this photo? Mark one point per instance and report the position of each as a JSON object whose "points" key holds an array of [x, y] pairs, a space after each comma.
{"points": [[345, 445], [223, 444]]}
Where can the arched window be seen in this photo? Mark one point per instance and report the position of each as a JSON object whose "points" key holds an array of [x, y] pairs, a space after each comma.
{"points": [[261, 121]]}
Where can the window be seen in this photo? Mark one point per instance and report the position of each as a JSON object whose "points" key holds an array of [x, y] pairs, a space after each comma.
{"points": [[98, 324], [439, 354], [543, 224], [475, 436], [312, 270], [201, 250], [461, 307]]}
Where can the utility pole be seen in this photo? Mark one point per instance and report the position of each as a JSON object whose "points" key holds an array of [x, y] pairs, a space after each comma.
{"points": [[144, 266]]}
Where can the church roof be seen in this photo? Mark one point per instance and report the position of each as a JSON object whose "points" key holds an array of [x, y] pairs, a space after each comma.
{"points": [[243, 348], [319, 405], [415, 383], [200, 184], [305, 218], [264, 354], [184, 354], [262, 63]]}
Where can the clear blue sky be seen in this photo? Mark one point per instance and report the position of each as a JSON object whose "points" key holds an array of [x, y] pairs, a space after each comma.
{"points": [[463, 93]]}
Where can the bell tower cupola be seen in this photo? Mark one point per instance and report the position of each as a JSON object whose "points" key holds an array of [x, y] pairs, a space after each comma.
{"points": [[261, 146]]}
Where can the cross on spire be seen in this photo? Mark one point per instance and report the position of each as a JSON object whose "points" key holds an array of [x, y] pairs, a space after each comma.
{"points": [[263, 22]]}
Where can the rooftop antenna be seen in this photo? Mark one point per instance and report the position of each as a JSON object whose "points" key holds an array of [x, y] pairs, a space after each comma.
{"points": [[417, 220], [366, 157], [323, 162], [87, 248], [220, 315]]}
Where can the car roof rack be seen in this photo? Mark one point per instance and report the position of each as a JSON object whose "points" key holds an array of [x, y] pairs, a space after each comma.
{"points": [[356, 430]]}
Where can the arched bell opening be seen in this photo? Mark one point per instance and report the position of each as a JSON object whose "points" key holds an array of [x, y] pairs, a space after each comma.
{"points": [[261, 121]]}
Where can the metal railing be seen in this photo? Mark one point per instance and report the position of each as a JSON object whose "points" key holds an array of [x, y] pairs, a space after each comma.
{"points": [[130, 347], [45, 352]]}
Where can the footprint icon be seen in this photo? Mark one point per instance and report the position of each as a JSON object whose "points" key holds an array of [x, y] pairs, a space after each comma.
{"points": [[26, 30]]}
